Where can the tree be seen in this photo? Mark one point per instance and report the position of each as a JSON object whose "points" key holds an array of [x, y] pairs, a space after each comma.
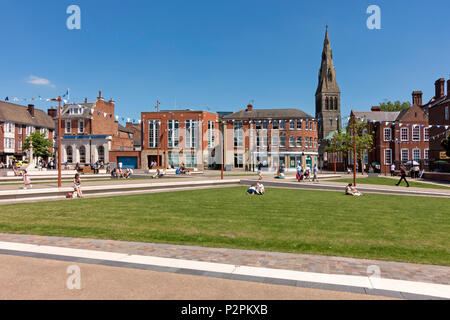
{"points": [[41, 145], [396, 106], [446, 144], [364, 139]]}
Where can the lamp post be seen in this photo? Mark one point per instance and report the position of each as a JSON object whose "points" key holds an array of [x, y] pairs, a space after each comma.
{"points": [[59, 141], [354, 150]]}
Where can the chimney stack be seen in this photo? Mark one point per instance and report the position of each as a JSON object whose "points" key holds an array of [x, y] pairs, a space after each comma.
{"points": [[249, 107], [375, 109], [100, 95], [439, 88], [31, 109], [417, 98], [52, 112]]}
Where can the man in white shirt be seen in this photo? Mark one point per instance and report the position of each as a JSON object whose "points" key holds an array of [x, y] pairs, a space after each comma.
{"points": [[392, 170]]}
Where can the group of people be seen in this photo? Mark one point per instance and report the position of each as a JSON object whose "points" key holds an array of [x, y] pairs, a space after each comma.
{"points": [[307, 173], [257, 189], [119, 173]]}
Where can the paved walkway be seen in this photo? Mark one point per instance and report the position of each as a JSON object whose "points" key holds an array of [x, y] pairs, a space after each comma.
{"points": [[274, 260], [31, 278]]}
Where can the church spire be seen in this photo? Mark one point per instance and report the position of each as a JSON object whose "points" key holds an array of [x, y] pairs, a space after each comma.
{"points": [[327, 73]]}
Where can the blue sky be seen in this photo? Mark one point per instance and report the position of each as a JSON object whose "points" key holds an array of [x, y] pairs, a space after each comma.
{"points": [[222, 54]]}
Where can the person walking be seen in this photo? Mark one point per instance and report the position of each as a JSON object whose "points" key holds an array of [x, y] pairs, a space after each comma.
{"points": [[403, 177], [26, 180], [77, 185], [392, 170], [315, 170]]}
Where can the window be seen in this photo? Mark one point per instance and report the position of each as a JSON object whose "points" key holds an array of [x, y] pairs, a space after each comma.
{"points": [[101, 153], [426, 153], [173, 134], [82, 154], [404, 133], [387, 156], [416, 133], [426, 134], [191, 134], [292, 142], [275, 124], [387, 134], [211, 134], [300, 125], [68, 126], [257, 125], [282, 124], [299, 142], [263, 138], [19, 129], [20, 145], [9, 127], [191, 159], [29, 130], [405, 155], [238, 160], [274, 140], [81, 126], [310, 123], [416, 154], [446, 113], [173, 158], [69, 155], [153, 133], [264, 124], [9, 143], [282, 141], [238, 134], [306, 142], [291, 124]]}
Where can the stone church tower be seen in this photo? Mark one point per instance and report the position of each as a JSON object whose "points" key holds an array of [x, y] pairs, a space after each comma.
{"points": [[328, 97]]}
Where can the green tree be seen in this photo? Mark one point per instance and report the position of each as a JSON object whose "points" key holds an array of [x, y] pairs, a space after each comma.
{"points": [[364, 139], [394, 106], [41, 145], [446, 144]]}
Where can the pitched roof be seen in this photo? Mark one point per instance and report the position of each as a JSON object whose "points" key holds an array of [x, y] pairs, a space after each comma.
{"points": [[378, 115], [123, 129], [19, 114], [269, 114]]}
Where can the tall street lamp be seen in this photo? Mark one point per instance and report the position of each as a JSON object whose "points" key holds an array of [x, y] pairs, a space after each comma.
{"points": [[59, 141]]}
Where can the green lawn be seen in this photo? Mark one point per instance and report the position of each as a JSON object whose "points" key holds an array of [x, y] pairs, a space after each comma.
{"points": [[383, 181], [401, 228]]}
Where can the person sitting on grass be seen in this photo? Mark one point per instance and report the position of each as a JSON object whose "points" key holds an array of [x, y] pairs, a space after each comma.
{"points": [[351, 191], [252, 190], [259, 188], [157, 174], [114, 174], [77, 185], [129, 173]]}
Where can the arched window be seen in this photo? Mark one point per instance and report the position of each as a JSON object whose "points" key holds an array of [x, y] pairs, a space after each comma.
{"points": [[101, 153], [327, 104], [69, 155], [82, 154], [335, 103]]}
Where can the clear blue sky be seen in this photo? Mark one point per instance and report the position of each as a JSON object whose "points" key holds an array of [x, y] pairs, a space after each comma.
{"points": [[222, 54]]}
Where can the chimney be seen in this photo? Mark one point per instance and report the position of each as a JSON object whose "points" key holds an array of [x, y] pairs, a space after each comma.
{"points": [[52, 112], [249, 107], [439, 88], [375, 109], [417, 98], [100, 95], [448, 88], [31, 109]]}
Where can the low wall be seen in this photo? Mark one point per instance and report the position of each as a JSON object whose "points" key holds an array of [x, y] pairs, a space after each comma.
{"points": [[440, 176]]}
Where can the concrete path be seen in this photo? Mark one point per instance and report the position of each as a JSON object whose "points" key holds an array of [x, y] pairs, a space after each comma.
{"points": [[44, 279], [392, 279]]}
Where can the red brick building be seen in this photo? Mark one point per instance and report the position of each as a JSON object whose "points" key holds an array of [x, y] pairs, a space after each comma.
{"points": [[16, 124], [180, 136], [398, 137], [438, 109], [270, 136], [91, 133]]}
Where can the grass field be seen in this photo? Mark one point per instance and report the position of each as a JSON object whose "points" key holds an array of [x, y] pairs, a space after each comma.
{"points": [[391, 182], [401, 228]]}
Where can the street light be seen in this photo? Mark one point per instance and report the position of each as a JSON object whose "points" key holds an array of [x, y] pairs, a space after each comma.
{"points": [[59, 141]]}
